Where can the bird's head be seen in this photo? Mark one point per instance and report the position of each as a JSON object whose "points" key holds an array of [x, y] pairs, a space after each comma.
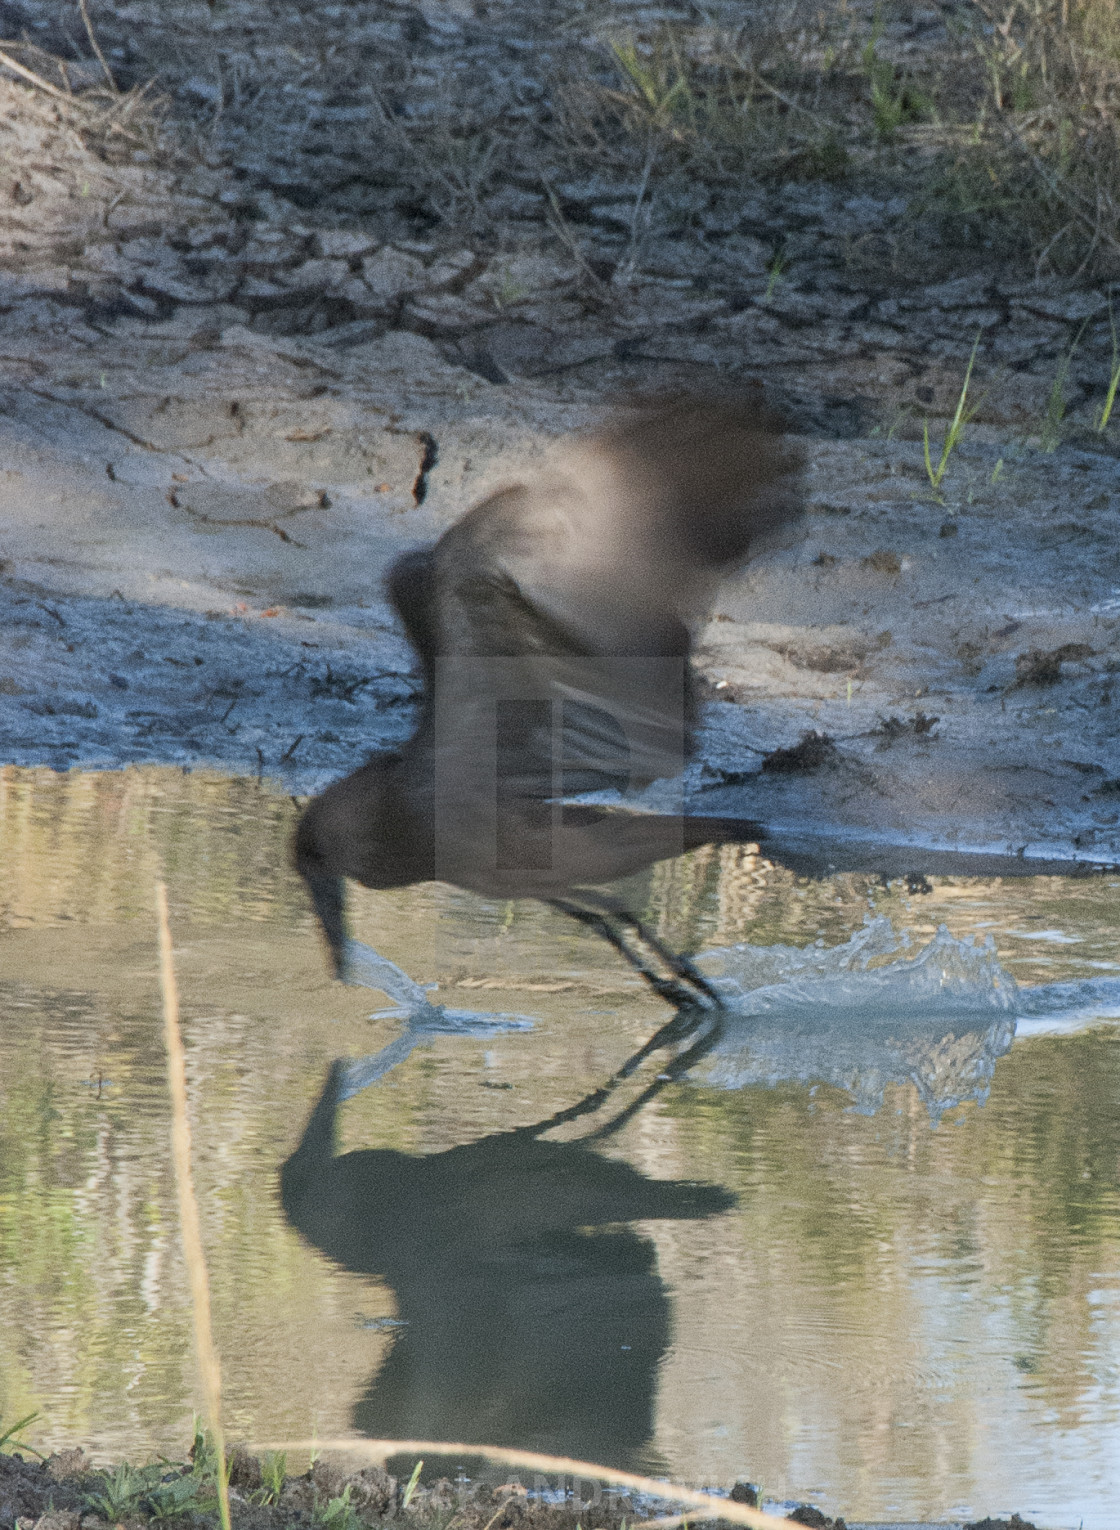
{"points": [[353, 830]]}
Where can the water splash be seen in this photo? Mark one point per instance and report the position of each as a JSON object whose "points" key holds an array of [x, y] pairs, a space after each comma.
{"points": [[1059, 1008], [867, 1013], [861, 1015], [422, 1019], [864, 1015]]}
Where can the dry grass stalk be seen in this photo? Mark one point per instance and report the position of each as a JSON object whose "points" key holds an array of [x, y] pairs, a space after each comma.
{"points": [[1048, 137], [83, 6], [713, 1508], [134, 116], [208, 1365], [8, 62]]}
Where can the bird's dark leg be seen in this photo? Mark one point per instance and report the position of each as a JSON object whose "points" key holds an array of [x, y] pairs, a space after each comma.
{"points": [[610, 909], [606, 922]]}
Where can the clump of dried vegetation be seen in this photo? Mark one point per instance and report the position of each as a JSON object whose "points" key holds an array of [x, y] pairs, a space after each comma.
{"points": [[1037, 161], [1008, 123], [997, 126], [120, 125]]}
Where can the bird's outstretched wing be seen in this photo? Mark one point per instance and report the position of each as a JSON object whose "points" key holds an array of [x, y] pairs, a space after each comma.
{"points": [[564, 715], [554, 624], [556, 614]]}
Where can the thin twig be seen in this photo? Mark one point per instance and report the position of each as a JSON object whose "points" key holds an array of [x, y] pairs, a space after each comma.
{"points": [[559, 225], [83, 6], [32, 78], [497, 1514], [532, 1460], [762, 83], [632, 248], [193, 1253]]}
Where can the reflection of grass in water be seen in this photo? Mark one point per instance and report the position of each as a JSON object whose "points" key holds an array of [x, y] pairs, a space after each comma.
{"points": [[77, 846], [1018, 1202], [71, 847], [720, 895], [86, 1197]]}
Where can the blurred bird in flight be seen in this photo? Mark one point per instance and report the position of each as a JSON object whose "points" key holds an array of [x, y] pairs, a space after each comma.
{"points": [[554, 624]]}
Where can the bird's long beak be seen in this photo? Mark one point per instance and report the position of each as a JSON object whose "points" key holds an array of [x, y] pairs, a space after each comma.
{"points": [[328, 897]]}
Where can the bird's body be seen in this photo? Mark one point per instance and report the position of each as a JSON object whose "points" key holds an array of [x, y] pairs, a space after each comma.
{"points": [[554, 624]]}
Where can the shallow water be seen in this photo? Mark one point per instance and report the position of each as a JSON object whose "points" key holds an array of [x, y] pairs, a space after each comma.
{"points": [[780, 1269]]}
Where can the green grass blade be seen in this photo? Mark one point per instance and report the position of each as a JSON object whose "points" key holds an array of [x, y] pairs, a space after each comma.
{"points": [[1114, 380], [412, 1481]]}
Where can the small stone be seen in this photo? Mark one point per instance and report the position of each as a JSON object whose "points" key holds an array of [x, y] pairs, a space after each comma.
{"points": [[443, 314], [355, 291], [329, 1477], [963, 292], [806, 1514], [105, 259], [244, 1470], [59, 1519], [883, 561], [167, 284], [68, 1463], [202, 89], [298, 1497], [391, 272], [450, 268], [614, 214], [512, 202], [271, 247], [205, 235], [315, 275], [344, 243], [257, 288], [146, 251], [373, 1492], [598, 189], [1067, 306], [202, 182], [811, 751], [1014, 1523], [148, 306]]}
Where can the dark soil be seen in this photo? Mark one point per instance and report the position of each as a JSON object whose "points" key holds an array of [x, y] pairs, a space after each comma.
{"points": [[810, 752], [65, 1492]]}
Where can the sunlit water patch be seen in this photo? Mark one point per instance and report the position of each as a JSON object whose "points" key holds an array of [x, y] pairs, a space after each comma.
{"points": [[779, 1268]]}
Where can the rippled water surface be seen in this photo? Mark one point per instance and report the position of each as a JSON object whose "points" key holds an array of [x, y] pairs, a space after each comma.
{"points": [[869, 1254]]}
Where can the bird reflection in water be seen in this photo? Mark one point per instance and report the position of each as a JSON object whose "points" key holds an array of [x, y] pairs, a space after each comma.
{"points": [[530, 1316]]}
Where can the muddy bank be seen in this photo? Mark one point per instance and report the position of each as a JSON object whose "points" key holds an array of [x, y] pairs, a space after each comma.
{"points": [[242, 366], [66, 1492], [193, 535]]}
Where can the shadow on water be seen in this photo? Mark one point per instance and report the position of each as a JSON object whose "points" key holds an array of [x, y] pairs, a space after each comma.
{"points": [[529, 1317]]}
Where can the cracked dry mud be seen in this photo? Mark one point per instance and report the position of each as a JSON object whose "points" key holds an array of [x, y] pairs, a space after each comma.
{"points": [[241, 370]]}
